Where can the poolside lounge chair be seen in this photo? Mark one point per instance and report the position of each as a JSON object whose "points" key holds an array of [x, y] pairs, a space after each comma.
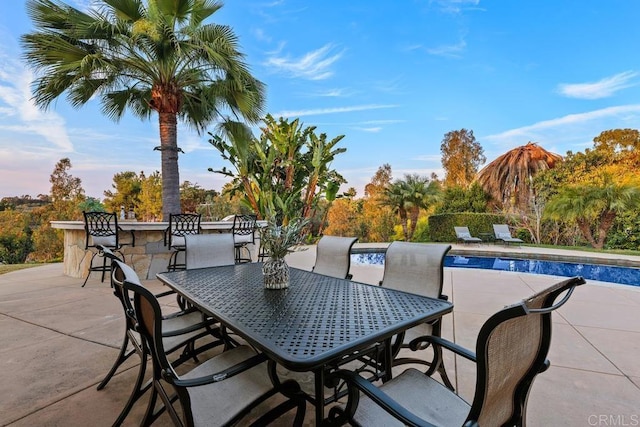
{"points": [[504, 235], [464, 236], [511, 350]]}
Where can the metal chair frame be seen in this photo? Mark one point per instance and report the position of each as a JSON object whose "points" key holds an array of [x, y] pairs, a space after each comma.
{"points": [[102, 229], [180, 330], [201, 384], [180, 225], [244, 227], [333, 256], [511, 350]]}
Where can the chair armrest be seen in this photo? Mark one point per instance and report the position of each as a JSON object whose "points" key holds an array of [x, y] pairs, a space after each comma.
{"points": [[218, 376], [467, 354], [133, 236], [165, 233], [378, 396], [206, 323], [165, 293]]}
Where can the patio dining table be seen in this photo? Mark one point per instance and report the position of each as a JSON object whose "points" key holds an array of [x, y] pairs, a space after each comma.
{"points": [[311, 325]]}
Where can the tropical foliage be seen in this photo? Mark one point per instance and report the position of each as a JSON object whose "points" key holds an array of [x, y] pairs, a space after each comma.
{"points": [[460, 199], [406, 197], [611, 165], [594, 207], [285, 172], [278, 240], [509, 178], [144, 56]]}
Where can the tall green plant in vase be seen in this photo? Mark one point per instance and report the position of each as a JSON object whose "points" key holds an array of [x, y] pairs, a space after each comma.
{"points": [[277, 241]]}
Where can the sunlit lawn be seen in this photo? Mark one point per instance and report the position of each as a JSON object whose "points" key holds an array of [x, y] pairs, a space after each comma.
{"points": [[8, 268]]}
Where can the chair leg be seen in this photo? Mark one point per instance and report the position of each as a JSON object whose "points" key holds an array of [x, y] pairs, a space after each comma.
{"points": [[122, 357], [148, 415], [104, 268], [137, 392], [90, 268]]}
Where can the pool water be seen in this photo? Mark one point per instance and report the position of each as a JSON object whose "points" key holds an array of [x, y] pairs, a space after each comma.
{"points": [[604, 273]]}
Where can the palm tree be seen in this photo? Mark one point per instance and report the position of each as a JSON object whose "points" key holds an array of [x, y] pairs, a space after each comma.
{"points": [[146, 56], [594, 207], [509, 178], [406, 198]]}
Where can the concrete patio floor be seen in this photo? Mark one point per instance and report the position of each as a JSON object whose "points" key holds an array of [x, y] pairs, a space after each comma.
{"points": [[59, 340]]}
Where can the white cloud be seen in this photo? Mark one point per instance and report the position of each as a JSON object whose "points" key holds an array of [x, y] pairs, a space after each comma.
{"points": [[370, 129], [450, 51], [577, 130], [321, 111], [457, 6], [19, 113], [261, 35], [601, 89], [428, 157], [334, 93], [314, 65]]}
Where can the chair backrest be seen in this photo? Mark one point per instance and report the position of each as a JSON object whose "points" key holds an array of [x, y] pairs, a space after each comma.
{"points": [[148, 315], [119, 272], [415, 267], [501, 231], [462, 232], [101, 228], [209, 250], [511, 349], [181, 225], [244, 227], [333, 256]]}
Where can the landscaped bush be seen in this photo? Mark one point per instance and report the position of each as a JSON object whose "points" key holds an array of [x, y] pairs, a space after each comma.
{"points": [[441, 226]]}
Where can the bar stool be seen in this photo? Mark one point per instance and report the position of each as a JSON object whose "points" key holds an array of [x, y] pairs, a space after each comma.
{"points": [[244, 227], [101, 228], [180, 225]]}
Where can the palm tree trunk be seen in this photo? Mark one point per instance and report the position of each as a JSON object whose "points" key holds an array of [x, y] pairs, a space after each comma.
{"points": [[585, 228], [414, 213], [606, 222], [404, 221], [169, 156]]}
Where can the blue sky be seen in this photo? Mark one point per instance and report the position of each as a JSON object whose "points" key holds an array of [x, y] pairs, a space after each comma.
{"points": [[392, 76]]}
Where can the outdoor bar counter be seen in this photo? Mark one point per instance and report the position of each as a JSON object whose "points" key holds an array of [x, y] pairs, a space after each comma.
{"points": [[149, 255]]}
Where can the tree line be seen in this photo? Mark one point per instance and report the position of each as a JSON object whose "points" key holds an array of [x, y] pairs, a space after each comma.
{"points": [[584, 198]]}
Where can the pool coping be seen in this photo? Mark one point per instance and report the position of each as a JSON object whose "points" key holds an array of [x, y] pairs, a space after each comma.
{"points": [[522, 252]]}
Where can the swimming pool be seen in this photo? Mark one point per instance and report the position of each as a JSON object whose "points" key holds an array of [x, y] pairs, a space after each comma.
{"points": [[604, 273]]}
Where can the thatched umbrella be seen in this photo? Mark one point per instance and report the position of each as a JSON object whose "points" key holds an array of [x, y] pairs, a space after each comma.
{"points": [[509, 178]]}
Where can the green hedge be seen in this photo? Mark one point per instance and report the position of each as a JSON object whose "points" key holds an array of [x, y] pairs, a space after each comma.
{"points": [[441, 226]]}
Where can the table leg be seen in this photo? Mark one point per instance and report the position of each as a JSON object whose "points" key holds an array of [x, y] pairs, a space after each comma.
{"points": [[319, 397], [387, 362]]}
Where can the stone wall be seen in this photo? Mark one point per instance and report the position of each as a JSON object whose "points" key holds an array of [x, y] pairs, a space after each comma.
{"points": [[149, 256]]}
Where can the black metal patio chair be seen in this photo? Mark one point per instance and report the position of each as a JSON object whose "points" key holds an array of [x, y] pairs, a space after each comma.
{"points": [[511, 350], [417, 268], [333, 256], [180, 330], [244, 227], [180, 225], [220, 391], [102, 229]]}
